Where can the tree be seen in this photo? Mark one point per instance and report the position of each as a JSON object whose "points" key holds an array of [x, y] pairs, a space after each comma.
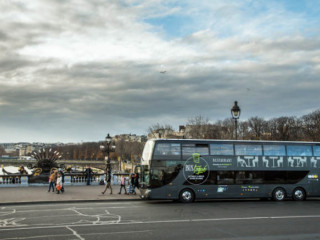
{"points": [[311, 126], [198, 128], [157, 130], [2, 151], [283, 128], [256, 127]]}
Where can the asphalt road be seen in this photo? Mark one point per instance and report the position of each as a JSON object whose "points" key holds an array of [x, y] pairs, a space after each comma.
{"points": [[163, 220]]}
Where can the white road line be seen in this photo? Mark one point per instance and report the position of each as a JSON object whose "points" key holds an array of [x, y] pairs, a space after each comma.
{"points": [[79, 203], [75, 233], [69, 235], [161, 221], [64, 209], [41, 237]]}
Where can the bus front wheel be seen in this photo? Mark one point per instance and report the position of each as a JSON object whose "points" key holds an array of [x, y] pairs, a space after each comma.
{"points": [[186, 196], [299, 194], [279, 194]]}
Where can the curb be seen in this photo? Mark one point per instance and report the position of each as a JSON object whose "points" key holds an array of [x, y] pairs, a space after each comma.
{"points": [[68, 201]]}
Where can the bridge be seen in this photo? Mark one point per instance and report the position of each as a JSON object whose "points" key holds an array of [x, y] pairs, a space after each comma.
{"points": [[74, 163]]}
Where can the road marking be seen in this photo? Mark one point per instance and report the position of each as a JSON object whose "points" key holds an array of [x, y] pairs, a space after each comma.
{"points": [[64, 209], [69, 235], [41, 237], [157, 222], [75, 233]]}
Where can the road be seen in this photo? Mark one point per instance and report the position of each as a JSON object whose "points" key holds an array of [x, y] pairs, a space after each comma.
{"points": [[163, 220]]}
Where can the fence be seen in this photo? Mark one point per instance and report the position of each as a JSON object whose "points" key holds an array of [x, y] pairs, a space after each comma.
{"points": [[16, 180]]}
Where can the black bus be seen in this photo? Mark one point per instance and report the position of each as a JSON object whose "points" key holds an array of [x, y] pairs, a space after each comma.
{"points": [[188, 169]]}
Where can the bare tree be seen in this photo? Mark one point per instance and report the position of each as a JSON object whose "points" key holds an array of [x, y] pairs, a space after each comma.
{"points": [[283, 128], [256, 127], [311, 126], [198, 128], [159, 130], [2, 151]]}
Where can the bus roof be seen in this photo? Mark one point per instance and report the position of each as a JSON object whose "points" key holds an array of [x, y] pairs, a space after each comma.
{"points": [[230, 141]]}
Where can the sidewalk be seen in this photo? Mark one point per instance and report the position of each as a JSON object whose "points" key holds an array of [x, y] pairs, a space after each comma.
{"points": [[28, 195]]}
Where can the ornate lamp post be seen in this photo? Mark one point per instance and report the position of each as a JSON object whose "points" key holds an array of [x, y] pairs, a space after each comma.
{"points": [[235, 113], [107, 150]]}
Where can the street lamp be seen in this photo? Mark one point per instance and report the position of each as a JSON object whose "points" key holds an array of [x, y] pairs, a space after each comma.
{"points": [[107, 149], [235, 113]]}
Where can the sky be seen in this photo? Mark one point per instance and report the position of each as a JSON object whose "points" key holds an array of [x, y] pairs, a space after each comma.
{"points": [[75, 70]]}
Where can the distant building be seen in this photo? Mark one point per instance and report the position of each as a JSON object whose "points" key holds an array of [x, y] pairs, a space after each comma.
{"points": [[130, 138], [169, 133]]}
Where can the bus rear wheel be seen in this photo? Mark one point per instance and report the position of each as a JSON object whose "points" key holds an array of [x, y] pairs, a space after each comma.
{"points": [[279, 194], [186, 196], [299, 194]]}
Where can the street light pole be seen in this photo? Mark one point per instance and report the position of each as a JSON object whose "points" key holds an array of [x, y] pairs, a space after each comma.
{"points": [[235, 113], [107, 150]]}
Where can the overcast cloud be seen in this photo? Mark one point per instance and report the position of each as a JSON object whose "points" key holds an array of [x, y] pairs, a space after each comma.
{"points": [[76, 70]]}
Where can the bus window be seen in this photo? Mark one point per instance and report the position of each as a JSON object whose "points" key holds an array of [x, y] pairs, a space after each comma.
{"points": [[316, 151], [299, 150], [274, 150], [248, 149], [249, 177], [165, 150], [189, 149], [225, 177], [157, 177], [221, 149]]}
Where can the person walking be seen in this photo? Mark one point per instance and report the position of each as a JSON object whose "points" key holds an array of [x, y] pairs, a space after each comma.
{"points": [[88, 173], [132, 184], [62, 176], [59, 183], [123, 185], [51, 181], [108, 185]]}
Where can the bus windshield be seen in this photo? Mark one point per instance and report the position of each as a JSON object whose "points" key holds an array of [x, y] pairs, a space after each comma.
{"points": [[147, 153]]}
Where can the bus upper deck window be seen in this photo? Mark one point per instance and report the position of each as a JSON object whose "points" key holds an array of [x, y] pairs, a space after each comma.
{"points": [[163, 150], [249, 149], [189, 149], [299, 150], [274, 150], [316, 150], [221, 149]]}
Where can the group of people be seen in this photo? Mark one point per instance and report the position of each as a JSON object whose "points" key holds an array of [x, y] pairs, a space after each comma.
{"points": [[133, 184], [56, 180]]}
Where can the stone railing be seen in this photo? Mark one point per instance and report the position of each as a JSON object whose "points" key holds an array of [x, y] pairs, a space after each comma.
{"points": [[13, 180], [80, 179], [16, 180]]}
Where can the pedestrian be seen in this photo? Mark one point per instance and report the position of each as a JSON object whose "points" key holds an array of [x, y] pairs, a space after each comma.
{"points": [[132, 184], [62, 175], [59, 183], [108, 185], [51, 181], [88, 173], [123, 185], [136, 180]]}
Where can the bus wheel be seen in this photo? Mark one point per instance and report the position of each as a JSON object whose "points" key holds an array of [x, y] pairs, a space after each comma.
{"points": [[279, 194], [186, 196], [299, 194]]}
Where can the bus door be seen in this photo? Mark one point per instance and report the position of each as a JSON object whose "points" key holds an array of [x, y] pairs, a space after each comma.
{"points": [[313, 181]]}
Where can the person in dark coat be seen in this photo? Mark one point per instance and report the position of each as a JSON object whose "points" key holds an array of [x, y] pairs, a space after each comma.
{"points": [[108, 185], [88, 173]]}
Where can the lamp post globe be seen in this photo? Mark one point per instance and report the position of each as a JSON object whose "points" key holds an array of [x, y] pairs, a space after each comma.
{"points": [[235, 113]]}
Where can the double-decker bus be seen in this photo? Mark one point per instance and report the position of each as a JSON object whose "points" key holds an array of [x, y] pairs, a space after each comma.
{"points": [[188, 169]]}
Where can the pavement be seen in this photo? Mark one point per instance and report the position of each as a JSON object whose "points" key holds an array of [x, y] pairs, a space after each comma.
{"points": [[40, 194]]}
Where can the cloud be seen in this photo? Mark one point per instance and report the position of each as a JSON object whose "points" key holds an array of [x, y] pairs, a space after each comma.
{"points": [[74, 70]]}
